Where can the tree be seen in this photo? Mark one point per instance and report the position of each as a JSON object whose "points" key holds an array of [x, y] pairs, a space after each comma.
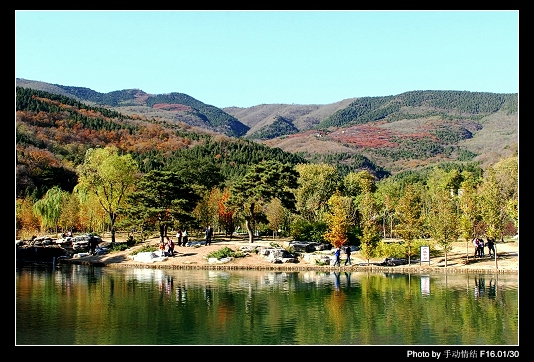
{"points": [[339, 218], [367, 207], [469, 213], [507, 175], [409, 213], [316, 183], [493, 205], [162, 198], [275, 215], [206, 211], [262, 183], [110, 177], [49, 208], [443, 220], [70, 213], [355, 182], [387, 195], [225, 216], [27, 223]]}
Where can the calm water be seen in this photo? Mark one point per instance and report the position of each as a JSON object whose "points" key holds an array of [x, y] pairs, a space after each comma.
{"points": [[84, 305]]}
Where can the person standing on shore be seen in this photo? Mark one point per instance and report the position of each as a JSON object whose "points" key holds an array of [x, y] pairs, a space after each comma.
{"points": [[209, 234], [491, 247], [185, 239], [348, 251], [477, 247], [93, 242], [481, 247], [179, 236]]}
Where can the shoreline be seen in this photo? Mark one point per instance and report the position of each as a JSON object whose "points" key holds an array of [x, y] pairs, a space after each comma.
{"points": [[297, 268], [188, 258]]}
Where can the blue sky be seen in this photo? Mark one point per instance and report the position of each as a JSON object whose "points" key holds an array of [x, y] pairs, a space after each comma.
{"points": [[246, 58]]}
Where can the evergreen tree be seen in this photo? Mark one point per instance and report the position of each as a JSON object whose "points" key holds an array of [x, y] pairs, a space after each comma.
{"points": [[162, 198], [262, 183]]}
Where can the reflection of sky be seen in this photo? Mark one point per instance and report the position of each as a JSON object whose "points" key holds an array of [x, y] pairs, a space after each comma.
{"points": [[425, 284], [148, 275], [288, 280]]}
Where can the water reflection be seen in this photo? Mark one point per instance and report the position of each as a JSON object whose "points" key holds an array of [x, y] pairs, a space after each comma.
{"points": [[158, 306], [480, 287]]}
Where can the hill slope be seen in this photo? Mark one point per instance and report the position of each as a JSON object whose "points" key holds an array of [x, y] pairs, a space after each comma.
{"points": [[174, 107], [392, 133]]}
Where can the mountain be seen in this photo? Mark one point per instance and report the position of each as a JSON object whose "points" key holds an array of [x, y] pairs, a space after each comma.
{"points": [[175, 107], [54, 132], [386, 135], [402, 132]]}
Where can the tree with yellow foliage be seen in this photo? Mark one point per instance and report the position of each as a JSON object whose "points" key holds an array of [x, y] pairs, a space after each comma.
{"points": [[339, 218]]}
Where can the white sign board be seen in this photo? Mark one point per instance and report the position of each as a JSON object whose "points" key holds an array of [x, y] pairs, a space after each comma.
{"points": [[425, 254]]}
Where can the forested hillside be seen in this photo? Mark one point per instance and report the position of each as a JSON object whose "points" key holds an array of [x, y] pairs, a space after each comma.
{"points": [[370, 174], [174, 106], [54, 132], [413, 130]]}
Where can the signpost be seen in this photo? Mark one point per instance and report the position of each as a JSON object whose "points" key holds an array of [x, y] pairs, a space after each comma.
{"points": [[425, 255]]}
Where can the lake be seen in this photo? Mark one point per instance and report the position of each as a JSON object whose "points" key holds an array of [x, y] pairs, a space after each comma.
{"points": [[87, 305]]}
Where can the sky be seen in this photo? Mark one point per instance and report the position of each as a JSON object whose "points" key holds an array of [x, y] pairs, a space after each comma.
{"points": [[247, 58]]}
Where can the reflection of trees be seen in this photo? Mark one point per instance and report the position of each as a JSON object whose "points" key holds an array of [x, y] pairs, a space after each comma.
{"points": [[336, 316], [278, 308]]}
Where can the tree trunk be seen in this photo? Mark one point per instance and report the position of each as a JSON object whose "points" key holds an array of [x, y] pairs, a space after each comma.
{"points": [[112, 218], [466, 251], [249, 222], [250, 232], [162, 232]]}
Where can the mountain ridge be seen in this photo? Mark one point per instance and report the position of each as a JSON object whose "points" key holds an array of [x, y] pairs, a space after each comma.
{"points": [[410, 130]]}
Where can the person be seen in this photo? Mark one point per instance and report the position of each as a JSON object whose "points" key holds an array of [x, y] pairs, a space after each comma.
{"points": [[491, 247], [481, 247], [337, 255], [475, 244], [93, 242], [179, 237], [162, 249], [170, 247], [209, 235], [185, 239], [348, 252]]}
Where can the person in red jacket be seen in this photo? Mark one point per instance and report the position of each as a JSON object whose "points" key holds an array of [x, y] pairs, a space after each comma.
{"points": [[170, 247]]}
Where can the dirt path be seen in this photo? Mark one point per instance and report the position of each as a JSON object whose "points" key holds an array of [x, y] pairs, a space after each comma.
{"points": [[196, 257]]}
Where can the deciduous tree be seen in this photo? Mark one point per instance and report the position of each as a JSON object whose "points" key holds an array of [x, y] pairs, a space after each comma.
{"points": [[409, 213], [339, 218], [110, 177]]}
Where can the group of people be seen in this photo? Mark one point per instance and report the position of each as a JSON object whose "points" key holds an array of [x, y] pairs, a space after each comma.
{"points": [[337, 256], [167, 248], [479, 245], [181, 237]]}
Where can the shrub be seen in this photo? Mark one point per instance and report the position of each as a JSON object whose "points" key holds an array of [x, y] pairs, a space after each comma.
{"points": [[225, 252], [145, 249], [400, 249], [118, 247]]}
